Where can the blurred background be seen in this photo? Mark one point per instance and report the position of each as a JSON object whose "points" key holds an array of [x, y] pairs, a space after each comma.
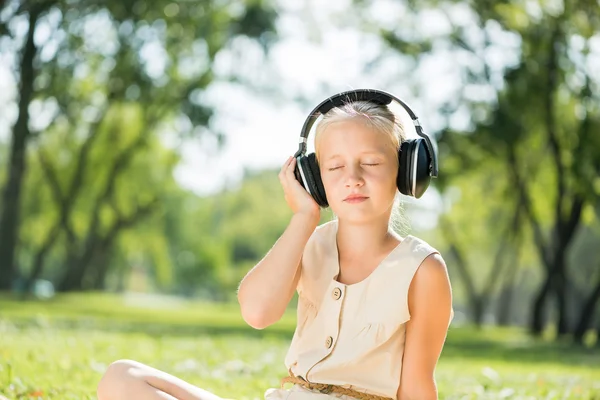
{"points": [[140, 143]]}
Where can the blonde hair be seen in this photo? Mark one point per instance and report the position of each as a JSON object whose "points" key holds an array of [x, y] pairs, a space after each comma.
{"points": [[381, 119], [377, 117]]}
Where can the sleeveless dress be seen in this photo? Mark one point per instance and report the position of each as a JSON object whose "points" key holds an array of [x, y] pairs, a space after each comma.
{"points": [[350, 335]]}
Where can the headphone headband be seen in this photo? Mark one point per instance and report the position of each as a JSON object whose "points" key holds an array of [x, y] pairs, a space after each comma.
{"points": [[371, 95]]}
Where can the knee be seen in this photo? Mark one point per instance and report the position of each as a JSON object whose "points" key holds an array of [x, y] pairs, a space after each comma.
{"points": [[113, 383]]}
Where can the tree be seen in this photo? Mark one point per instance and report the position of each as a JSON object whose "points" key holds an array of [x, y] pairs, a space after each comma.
{"points": [[11, 195], [155, 58], [533, 106], [535, 114]]}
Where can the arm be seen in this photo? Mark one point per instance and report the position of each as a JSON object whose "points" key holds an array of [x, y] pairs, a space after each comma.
{"points": [[430, 306], [267, 289]]}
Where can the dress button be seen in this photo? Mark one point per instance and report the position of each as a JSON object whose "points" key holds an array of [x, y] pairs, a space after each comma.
{"points": [[337, 293], [329, 342]]}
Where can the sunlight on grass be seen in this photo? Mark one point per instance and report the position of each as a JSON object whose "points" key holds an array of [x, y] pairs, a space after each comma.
{"points": [[59, 350]]}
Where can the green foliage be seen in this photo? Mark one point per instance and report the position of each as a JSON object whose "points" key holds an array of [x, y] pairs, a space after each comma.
{"points": [[529, 139], [215, 240], [117, 80]]}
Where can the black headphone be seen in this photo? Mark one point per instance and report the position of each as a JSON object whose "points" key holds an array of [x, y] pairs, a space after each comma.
{"points": [[417, 158]]}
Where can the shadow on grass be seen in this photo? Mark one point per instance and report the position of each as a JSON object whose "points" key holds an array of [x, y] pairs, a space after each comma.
{"points": [[462, 343], [155, 329], [465, 343], [102, 313]]}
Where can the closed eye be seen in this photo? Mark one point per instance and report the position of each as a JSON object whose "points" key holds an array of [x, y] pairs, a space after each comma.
{"points": [[341, 166]]}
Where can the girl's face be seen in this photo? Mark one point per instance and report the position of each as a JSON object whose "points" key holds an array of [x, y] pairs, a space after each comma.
{"points": [[355, 160]]}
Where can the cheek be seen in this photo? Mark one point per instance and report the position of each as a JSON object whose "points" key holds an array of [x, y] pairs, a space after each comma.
{"points": [[384, 182], [331, 181], [381, 176]]}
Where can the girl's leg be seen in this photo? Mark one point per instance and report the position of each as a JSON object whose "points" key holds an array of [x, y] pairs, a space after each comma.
{"points": [[126, 379]]}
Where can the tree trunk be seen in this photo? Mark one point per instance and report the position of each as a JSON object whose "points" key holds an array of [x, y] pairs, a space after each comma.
{"points": [[70, 281], [64, 202], [505, 298], [505, 304], [40, 257], [598, 333], [587, 315], [73, 278], [9, 215], [478, 306], [554, 283], [537, 314], [96, 244], [101, 269], [560, 290]]}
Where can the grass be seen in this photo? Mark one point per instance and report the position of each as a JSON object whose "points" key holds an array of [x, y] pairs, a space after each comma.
{"points": [[59, 349]]}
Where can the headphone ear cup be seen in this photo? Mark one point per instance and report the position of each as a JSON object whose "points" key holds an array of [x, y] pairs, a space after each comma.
{"points": [[308, 174], [299, 175], [317, 183], [403, 179], [413, 174]]}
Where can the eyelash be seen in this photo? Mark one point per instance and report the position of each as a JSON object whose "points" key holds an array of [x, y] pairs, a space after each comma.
{"points": [[333, 169]]}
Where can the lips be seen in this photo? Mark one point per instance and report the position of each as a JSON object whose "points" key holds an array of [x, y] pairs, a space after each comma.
{"points": [[355, 197]]}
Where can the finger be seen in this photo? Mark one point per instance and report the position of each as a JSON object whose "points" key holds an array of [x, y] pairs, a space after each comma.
{"points": [[292, 164], [290, 170], [285, 165], [284, 168]]}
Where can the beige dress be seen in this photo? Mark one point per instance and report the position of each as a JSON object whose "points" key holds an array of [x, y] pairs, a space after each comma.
{"points": [[350, 335]]}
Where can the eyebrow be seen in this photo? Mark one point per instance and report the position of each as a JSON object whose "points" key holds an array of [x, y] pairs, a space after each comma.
{"points": [[375, 152]]}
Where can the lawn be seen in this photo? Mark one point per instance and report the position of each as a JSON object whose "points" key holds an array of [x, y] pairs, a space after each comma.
{"points": [[59, 349]]}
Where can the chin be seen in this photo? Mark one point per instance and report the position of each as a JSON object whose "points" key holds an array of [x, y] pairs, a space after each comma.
{"points": [[360, 213], [356, 215]]}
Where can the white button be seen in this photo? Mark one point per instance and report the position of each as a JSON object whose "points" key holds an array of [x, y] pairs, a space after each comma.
{"points": [[337, 293], [329, 342]]}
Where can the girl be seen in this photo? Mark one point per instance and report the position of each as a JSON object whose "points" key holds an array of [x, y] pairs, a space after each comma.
{"points": [[373, 307]]}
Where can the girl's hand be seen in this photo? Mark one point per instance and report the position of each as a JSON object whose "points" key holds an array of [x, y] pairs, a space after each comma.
{"points": [[298, 199]]}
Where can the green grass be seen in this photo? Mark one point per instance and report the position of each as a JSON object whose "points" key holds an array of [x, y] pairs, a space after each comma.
{"points": [[59, 350]]}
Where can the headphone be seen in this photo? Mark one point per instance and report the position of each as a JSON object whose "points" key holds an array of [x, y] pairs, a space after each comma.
{"points": [[417, 158]]}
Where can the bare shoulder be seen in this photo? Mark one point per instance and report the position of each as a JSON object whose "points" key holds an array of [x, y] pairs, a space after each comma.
{"points": [[433, 267], [431, 282]]}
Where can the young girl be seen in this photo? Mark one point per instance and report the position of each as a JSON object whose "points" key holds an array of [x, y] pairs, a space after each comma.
{"points": [[373, 307]]}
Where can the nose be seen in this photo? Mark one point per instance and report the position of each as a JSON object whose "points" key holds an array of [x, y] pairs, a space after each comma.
{"points": [[354, 177]]}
